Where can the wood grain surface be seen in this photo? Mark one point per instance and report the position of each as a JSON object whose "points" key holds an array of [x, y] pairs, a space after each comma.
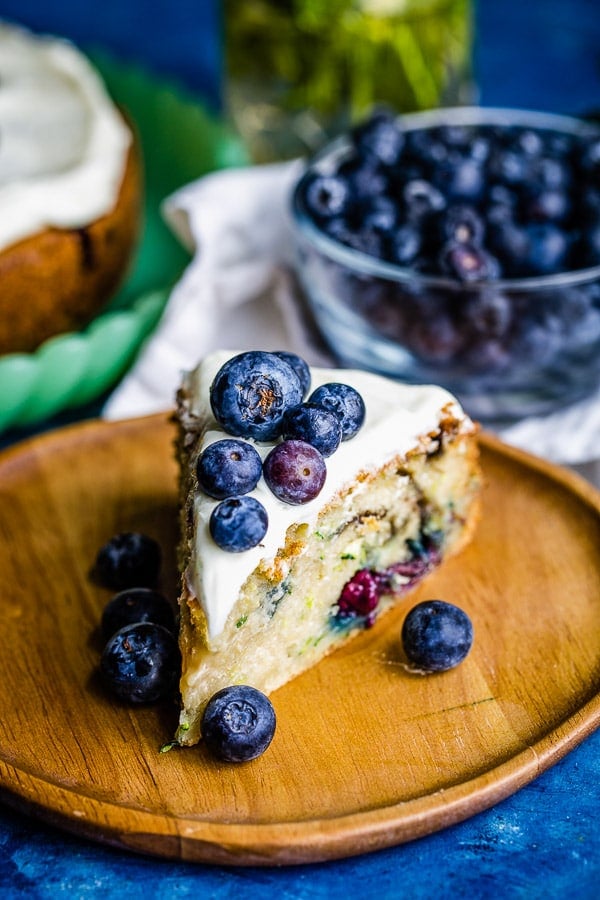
{"points": [[366, 755]]}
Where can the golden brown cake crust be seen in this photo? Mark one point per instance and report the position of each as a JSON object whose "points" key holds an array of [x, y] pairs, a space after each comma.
{"points": [[58, 279]]}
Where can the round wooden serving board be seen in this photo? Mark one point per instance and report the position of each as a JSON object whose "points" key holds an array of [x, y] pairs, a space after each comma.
{"points": [[365, 755]]}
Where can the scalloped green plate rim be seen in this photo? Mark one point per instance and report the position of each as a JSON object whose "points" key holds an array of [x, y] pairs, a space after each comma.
{"points": [[181, 140]]}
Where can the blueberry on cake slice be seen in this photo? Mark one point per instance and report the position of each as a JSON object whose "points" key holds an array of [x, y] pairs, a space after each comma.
{"points": [[312, 500]]}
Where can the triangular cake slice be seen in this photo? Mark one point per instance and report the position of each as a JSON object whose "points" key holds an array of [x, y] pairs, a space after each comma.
{"points": [[398, 498]]}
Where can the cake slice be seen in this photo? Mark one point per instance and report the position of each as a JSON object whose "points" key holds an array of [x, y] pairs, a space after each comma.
{"points": [[399, 496]]}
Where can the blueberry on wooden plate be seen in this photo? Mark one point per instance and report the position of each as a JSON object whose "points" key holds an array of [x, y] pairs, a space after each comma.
{"points": [[136, 605], [141, 663], [436, 636], [128, 559], [238, 723]]}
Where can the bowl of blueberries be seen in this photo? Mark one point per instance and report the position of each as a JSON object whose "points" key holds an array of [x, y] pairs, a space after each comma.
{"points": [[459, 247]]}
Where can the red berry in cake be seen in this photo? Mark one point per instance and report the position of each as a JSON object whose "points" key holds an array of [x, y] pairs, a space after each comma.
{"points": [[136, 605], [129, 559], [141, 663], [295, 471], [346, 402], [314, 424], [238, 523], [436, 636], [228, 468], [251, 392], [360, 595], [238, 723]]}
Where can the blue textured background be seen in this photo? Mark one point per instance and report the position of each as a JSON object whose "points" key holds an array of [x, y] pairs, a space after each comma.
{"points": [[543, 841]]}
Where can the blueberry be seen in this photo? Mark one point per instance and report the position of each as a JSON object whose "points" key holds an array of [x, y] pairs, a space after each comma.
{"points": [[537, 343], [380, 215], [436, 340], [141, 663], [528, 142], [295, 471], [365, 178], [501, 205], [510, 243], [461, 178], [238, 523], [228, 468], [238, 723], [489, 312], [128, 559], [136, 605], [315, 425], [436, 636], [590, 159], [339, 230], [487, 354], [404, 245], [426, 147], [379, 138], [558, 146], [251, 392], [468, 262], [463, 224], [300, 367], [509, 167], [547, 206], [326, 195], [548, 249], [422, 198], [345, 402], [552, 174], [366, 240], [456, 137]]}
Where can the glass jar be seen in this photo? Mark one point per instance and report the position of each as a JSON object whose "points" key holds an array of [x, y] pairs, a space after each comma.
{"points": [[297, 72]]}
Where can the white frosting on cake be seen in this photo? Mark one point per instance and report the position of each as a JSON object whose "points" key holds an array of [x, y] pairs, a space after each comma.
{"points": [[63, 144], [398, 417]]}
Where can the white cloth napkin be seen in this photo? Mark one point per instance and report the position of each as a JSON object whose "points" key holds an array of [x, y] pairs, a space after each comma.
{"points": [[238, 292]]}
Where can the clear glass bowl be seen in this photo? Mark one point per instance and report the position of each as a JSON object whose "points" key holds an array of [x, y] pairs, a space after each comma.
{"points": [[423, 329]]}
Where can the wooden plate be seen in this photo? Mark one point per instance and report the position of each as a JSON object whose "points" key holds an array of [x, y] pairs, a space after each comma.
{"points": [[365, 755]]}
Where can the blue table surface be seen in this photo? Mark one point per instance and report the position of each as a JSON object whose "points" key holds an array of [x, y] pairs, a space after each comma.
{"points": [[541, 842]]}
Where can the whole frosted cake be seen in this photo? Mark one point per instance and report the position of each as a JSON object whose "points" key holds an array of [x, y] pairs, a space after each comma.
{"points": [[371, 517]]}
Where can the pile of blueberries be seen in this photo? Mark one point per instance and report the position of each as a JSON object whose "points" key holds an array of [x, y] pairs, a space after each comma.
{"points": [[259, 396], [141, 662], [471, 204]]}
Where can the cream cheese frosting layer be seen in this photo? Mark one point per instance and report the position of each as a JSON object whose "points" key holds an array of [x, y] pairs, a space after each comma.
{"points": [[63, 144], [398, 418]]}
